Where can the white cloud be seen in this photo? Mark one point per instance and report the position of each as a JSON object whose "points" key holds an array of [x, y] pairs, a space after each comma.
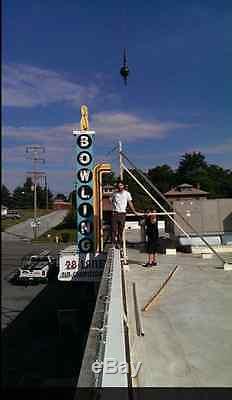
{"points": [[132, 127], [28, 86], [60, 143], [109, 126]]}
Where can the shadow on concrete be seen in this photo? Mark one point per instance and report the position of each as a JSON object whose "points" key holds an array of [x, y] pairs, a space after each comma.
{"points": [[44, 345]]}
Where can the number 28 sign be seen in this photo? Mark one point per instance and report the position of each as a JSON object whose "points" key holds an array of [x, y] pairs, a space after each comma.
{"points": [[68, 266]]}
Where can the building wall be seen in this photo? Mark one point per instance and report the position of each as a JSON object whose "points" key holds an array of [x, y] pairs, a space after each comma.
{"points": [[62, 205], [206, 216]]}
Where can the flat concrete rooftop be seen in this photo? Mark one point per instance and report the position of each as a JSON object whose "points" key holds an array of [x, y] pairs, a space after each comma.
{"points": [[187, 338]]}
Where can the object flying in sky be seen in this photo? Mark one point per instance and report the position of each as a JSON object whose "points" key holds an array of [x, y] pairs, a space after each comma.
{"points": [[124, 71]]}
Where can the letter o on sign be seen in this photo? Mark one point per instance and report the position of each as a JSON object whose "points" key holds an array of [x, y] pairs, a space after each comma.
{"points": [[85, 245], [84, 141], [85, 210], [84, 158]]}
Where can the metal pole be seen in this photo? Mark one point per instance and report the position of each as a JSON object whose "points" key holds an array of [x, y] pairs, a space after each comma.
{"points": [[155, 213], [103, 170], [120, 160], [35, 197], [35, 208], [177, 212], [46, 186], [101, 212], [96, 208], [33, 151], [121, 177], [162, 208]]}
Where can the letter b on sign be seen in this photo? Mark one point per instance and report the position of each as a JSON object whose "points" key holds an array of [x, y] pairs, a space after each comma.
{"points": [[84, 141]]}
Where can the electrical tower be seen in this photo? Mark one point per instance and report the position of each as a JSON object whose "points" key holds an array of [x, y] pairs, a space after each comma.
{"points": [[34, 153]]}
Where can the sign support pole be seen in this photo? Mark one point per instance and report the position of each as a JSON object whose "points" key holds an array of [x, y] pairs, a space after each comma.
{"points": [[121, 177]]}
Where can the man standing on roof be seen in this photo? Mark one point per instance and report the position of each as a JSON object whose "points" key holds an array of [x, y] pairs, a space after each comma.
{"points": [[120, 199]]}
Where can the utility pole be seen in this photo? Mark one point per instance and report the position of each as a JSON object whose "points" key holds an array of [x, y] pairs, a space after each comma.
{"points": [[34, 152], [46, 188]]}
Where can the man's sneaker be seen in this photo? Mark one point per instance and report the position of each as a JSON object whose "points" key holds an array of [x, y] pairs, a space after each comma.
{"points": [[155, 264], [147, 265]]}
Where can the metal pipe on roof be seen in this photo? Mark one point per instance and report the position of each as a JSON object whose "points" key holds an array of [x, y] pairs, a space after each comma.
{"points": [[223, 261], [156, 201]]}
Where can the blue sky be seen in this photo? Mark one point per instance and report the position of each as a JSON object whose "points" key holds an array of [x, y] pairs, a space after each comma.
{"points": [[60, 54]]}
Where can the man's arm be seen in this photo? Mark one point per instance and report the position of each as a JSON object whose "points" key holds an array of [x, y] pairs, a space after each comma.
{"points": [[131, 205]]}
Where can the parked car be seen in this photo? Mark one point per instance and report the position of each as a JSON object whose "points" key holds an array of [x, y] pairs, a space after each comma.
{"points": [[36, 269], [3, 211], [12, 214]]}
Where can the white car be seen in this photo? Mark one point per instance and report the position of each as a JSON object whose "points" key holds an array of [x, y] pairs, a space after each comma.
{"points": [[36, 268]]}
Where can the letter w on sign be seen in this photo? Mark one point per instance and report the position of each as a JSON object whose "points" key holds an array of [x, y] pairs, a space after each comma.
{"points": [[84, 175]]}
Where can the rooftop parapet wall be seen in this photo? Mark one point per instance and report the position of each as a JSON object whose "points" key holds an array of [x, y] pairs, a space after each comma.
{"points": [[206, 216]]}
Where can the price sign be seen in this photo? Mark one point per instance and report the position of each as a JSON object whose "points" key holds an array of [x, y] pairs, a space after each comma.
{"points": [[68, 267]]}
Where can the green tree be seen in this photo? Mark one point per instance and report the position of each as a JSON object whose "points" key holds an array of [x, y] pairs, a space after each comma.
{"points": [[69, 221], [6, 197], [194, 169], [221, 181], [23, 195], [141, 200], [50, 197], [109, 179], [163, 177], [72, 198], [191, 168]]}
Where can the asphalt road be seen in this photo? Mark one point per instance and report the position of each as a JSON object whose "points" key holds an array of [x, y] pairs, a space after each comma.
{"points": [[15, 298], [25, 230], [45, 326]]}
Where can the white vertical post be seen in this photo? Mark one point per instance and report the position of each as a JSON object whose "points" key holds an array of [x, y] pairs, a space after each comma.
{"points": [[120, 160], [121, 177], [35, 202]]}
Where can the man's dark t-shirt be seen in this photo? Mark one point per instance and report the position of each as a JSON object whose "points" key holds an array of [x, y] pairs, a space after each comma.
{"points": [[152, 233]]}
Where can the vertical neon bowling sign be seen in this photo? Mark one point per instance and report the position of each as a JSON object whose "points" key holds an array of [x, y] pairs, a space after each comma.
{"points": [[84, 184]]}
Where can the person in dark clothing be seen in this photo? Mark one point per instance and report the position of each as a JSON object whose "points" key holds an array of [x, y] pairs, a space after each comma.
{"points": [[152, 234]]}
